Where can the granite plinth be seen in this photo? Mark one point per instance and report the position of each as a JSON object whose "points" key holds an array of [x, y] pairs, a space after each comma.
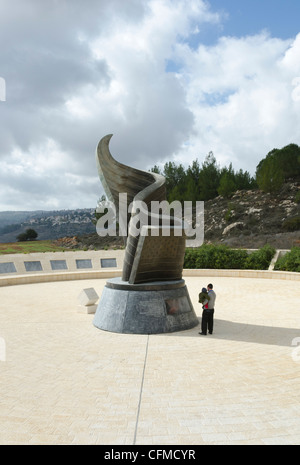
{"points": [[150, 308]]}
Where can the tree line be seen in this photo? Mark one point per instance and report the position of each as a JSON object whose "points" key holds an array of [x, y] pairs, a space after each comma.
{"points": [[208, 180]]}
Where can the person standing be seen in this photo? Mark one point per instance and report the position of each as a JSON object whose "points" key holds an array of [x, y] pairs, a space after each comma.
{"points": [[208, 313]]}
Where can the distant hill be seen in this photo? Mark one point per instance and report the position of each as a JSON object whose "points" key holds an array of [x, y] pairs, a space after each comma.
{"points": [[248, 219], [48, 224]]}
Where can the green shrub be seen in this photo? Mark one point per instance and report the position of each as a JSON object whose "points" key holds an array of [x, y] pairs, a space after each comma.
{"points": [[28, 235], [214, 257], [210, 256], [190, 259], [260, 259], [22, 237], [290, 261]]}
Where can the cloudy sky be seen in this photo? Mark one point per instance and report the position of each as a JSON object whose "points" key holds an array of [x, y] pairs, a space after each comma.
{"points": [[170, 79]]}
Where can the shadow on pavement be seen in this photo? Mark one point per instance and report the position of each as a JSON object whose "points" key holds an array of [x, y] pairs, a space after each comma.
{"points": [[259, 334]]}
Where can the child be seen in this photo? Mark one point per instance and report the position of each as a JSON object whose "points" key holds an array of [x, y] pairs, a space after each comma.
{"points": [[204, 298]]}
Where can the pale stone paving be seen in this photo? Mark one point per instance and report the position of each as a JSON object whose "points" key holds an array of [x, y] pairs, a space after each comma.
{"points": [[66, 382]]}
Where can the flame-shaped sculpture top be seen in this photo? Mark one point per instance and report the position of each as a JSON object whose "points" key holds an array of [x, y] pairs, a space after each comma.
{"points": [[117, 178], [140, 186]]}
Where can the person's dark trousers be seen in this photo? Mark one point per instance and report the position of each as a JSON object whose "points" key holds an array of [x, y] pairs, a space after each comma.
{"points": [[207, 320]]}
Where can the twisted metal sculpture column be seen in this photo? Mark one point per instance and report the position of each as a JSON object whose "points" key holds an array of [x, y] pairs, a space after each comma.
{"points": [[151, 296]]}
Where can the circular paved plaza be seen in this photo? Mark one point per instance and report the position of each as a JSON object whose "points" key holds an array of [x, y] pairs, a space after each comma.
{"points": [[63, 381]]}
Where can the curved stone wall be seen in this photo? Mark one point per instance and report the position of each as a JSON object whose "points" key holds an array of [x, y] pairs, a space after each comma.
{"points": [[59, 266], [66, 266]]}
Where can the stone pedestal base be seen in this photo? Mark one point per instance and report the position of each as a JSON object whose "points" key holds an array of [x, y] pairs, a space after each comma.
{"points": [[151, 308]]}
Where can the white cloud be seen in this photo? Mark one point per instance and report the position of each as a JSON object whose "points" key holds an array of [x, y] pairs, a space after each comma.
{"points": [[242, 94], [74, 74]]}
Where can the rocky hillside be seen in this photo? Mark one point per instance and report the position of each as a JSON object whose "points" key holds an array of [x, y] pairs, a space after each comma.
{"points": [[250, 219], [253, 218]]}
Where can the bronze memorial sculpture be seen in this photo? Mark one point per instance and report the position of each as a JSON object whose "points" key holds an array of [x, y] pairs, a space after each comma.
{"points": [[151, 297]]}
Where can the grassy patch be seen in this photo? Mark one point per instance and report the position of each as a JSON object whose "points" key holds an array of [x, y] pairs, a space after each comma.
{"points": [[30, 247]]}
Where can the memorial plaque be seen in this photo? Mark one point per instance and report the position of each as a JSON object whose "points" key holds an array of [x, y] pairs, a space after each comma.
{"points": [[8, 267], [58, 264], [84, 263], [33, 266], [152, 308], [108, 262], [177, 305]]}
